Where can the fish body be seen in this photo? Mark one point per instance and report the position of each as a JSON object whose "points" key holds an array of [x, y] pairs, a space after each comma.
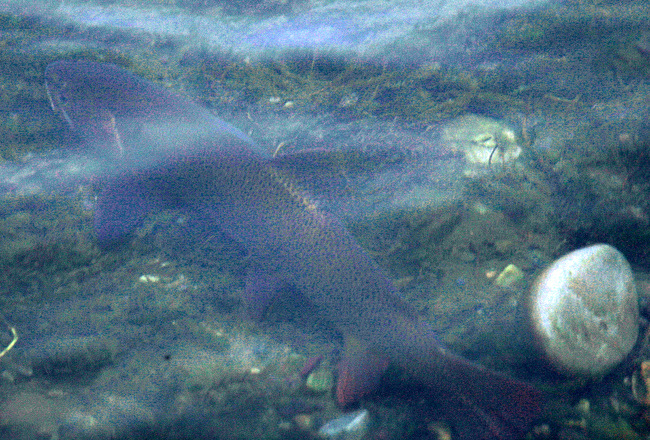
{"points": [[292, 241]]}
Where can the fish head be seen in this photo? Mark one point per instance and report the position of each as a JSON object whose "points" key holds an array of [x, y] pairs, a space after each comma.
{"points": [[84, 97], [133, 122]]}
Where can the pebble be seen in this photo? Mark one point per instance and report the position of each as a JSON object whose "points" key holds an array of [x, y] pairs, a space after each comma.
{"points": [[304, 422], [640, 383], [148, 278], [351, 426], [320, 380], [510, 276]]}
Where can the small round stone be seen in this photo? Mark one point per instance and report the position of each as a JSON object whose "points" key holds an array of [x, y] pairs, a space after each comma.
{"points": [[304, 422], [584, 311], [320, 380], [510, 276]]}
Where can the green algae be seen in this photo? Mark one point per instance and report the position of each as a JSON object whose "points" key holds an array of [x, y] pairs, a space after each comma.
{"points": [[602, 428], [353, 88], [408, 242], [47, 248]]}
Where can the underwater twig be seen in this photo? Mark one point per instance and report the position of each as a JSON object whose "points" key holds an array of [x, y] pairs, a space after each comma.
{"points": [[497, 146], [563, 100], [14, 339], [278, 148], [492, 154]]}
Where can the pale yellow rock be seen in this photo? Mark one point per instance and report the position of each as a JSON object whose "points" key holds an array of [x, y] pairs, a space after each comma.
{"points": [[510, 276], [484, 141], [320, 380]]}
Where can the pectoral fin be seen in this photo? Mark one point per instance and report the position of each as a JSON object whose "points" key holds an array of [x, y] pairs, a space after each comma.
{"points": [[260, 291], [359, 372], [121, 206]]}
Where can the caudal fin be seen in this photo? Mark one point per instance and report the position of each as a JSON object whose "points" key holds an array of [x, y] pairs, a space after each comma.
{"points": [[487, 405]]}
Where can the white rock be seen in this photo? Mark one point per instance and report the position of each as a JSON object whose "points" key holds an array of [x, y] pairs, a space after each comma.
{"points": [[351, 426], [584, 311]]}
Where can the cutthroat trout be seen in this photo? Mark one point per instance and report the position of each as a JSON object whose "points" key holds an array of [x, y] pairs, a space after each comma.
{"points": [[221, 174]]}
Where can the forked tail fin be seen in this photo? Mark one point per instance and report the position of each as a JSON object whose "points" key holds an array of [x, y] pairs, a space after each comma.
{"points": [[488, 405]]}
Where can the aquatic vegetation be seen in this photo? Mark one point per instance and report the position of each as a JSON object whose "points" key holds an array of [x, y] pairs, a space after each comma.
{"points": [[312, 82], [48, 252]]}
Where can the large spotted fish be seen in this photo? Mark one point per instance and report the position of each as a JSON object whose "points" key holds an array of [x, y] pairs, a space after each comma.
{"points": [[172, 153]]}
